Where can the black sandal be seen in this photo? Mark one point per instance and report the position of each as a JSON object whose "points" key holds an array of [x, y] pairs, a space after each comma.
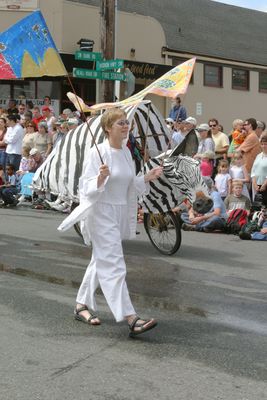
{"points": [[82, 318], [144, 326]]}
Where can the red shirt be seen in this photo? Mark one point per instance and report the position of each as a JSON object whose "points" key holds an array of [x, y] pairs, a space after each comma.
{"points": [[37, 120]]}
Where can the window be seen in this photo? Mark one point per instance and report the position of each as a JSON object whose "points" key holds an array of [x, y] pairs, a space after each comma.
{"points": [[240, 79], [213, 75], [263, 82]]}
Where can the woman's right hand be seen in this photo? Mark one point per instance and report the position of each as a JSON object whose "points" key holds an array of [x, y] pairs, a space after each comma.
{"points": [[104, 171]]}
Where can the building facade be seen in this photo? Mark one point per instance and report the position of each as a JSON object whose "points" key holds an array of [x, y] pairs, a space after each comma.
{"points": [[230, 77]]}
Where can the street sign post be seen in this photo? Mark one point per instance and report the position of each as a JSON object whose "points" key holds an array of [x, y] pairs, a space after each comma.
{"points": [[109, 64], [92, 74], [88, 56]]}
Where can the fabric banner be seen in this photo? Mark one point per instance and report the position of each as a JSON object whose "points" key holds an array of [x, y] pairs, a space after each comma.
{"points": [[27, 50], [171, 84]]}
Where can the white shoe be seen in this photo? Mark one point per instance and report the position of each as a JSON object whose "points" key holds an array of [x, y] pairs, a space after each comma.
{"points": [[50, 203], [21, 199], [60, 207]]}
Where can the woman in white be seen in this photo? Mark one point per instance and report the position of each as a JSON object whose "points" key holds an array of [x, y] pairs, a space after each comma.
{"points": [[108, 212]]}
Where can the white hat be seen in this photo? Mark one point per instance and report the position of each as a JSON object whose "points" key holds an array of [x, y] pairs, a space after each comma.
{"points": [[34, 151], [169, 120], [203, 127], [72, 121], [190, 120]]}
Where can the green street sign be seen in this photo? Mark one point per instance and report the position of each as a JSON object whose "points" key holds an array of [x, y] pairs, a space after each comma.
{"points": [[86, 73], [113, 76], [92, 74], [109, 64], [88, 56]]}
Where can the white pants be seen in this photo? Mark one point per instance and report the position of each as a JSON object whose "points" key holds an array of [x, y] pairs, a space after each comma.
{"points": [[107, 267]]}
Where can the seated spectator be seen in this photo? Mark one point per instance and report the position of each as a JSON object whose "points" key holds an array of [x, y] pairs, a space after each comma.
{"points": [[223, 179], [237, 200], [2, 175], [25, 161], [259, 170], [35, 161], [214, 220], [9, 189], [258, 235], [207, 163], [238, 171]]}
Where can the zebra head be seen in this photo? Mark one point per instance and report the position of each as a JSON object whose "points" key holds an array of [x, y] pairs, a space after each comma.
{"points": [[183, 172]]}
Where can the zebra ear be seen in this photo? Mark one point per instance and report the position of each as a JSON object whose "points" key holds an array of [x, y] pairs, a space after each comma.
{"points": [[179, 149]]}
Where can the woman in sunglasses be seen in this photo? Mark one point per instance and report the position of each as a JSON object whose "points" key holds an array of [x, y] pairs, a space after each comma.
{"points": [[108, 212], [28, 139]]}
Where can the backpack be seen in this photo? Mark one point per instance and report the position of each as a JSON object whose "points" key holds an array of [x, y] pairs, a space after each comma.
{"points": [[236, 220]]}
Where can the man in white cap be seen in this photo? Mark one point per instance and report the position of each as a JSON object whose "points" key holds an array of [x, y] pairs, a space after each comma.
{"points": [[189, 145]]}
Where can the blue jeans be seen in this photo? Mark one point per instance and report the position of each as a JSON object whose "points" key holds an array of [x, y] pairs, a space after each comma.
{"points": [[258, 235], [13, 159], [213, 223], [3, 159]]}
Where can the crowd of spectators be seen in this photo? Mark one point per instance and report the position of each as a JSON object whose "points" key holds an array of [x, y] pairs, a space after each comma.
{"points": [[234, 166], [28, 134]]}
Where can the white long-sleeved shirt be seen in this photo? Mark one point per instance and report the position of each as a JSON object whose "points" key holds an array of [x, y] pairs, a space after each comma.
{"points": [[13, 139]]}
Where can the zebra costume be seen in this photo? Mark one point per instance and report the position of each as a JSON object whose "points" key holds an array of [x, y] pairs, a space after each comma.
{"points": [[60, 172]]}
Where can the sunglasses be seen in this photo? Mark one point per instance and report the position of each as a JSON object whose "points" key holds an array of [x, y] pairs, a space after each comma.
{"points": [[213, 126], [123, 123]]}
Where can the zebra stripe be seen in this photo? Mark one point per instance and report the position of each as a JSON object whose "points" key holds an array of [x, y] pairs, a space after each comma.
{"points": [[60, 172]]}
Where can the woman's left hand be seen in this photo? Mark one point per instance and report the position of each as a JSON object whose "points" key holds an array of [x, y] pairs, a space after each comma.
{"points": [[153, 174]]}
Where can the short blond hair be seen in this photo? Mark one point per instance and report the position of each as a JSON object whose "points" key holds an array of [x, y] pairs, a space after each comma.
{"points": [[110, 116], [237, 182], [237, 122]]}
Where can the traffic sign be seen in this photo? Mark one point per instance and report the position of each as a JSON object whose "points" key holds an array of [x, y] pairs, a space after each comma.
{"points": [[88, 56], [109, 64], [113, 76], [86, 73], [92, 74]]}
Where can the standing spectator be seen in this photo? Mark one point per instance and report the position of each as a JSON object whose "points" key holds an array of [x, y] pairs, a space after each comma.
{"points": [[49, 119], [260, 128], [22, 110], [238, 136], [27, 117], [47, 103], [28, 139], [12, 107], [61, 131], [237, 200], [207, 163], [29, 106], [220, 139], [259, 170], [223, 179], [206, 143], [13, 139], [42, 141], [238, 171], [178, 111], [9, 189], [189, 145], [178, 133], [3, 130], [250, 148], [37, 117]]}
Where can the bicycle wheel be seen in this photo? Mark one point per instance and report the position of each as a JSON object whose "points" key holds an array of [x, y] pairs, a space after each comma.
{"points": [[164, 231]]}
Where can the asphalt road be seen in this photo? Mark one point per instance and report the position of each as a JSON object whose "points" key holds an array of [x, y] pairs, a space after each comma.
{"points": [[210, 299]]}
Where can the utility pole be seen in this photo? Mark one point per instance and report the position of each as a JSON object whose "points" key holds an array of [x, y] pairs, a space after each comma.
{"points": [[107, 29]]}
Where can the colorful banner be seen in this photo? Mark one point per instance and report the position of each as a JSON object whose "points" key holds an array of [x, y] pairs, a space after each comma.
{"points": [[171, 84], [27, 50]]}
